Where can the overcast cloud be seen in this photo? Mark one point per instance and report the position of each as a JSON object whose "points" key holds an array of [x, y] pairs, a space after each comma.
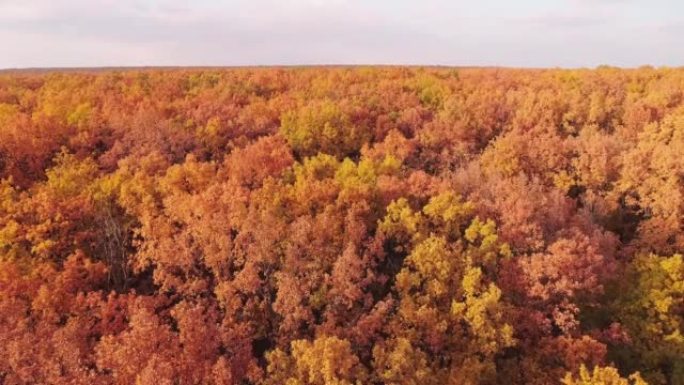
{"points": [[530, 33]]}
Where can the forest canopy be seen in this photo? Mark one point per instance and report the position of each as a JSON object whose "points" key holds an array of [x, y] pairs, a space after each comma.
{"points": [[342, 226]]}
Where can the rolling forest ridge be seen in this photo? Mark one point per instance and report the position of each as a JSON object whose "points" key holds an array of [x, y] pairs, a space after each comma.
{"points": [[342, 225]]}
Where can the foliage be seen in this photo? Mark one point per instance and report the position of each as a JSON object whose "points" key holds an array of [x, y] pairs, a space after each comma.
{"points": [[342, 226], [602, 376]]}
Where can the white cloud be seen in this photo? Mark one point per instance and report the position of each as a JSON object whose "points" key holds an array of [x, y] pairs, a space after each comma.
{"points": [[212, 32]]}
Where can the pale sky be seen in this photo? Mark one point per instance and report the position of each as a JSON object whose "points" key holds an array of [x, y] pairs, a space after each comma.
{"points": [[527, 33]]}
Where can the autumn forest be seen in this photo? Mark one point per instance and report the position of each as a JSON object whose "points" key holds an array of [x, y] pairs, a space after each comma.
{"points": [[342, 226]]}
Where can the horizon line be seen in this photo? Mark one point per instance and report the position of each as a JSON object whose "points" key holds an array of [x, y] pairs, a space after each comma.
{"points": [[317, 65]]}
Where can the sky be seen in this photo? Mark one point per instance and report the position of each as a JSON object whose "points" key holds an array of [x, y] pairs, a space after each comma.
{"points": [[514, 33]]}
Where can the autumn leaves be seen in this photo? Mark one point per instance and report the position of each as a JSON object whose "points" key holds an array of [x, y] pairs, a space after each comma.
{"points": [[342, 226]]}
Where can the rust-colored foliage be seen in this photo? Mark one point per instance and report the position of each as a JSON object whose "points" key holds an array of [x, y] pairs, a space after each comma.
{"points": [[338, 226]]}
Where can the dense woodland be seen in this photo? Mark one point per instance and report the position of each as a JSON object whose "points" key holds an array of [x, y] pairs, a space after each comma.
{"points": [[342, 226]]}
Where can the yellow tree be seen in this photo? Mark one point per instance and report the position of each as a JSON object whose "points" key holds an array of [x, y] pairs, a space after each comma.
{"points": [[601, 376], [651, 308], [325, 361], [449, 307]]}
